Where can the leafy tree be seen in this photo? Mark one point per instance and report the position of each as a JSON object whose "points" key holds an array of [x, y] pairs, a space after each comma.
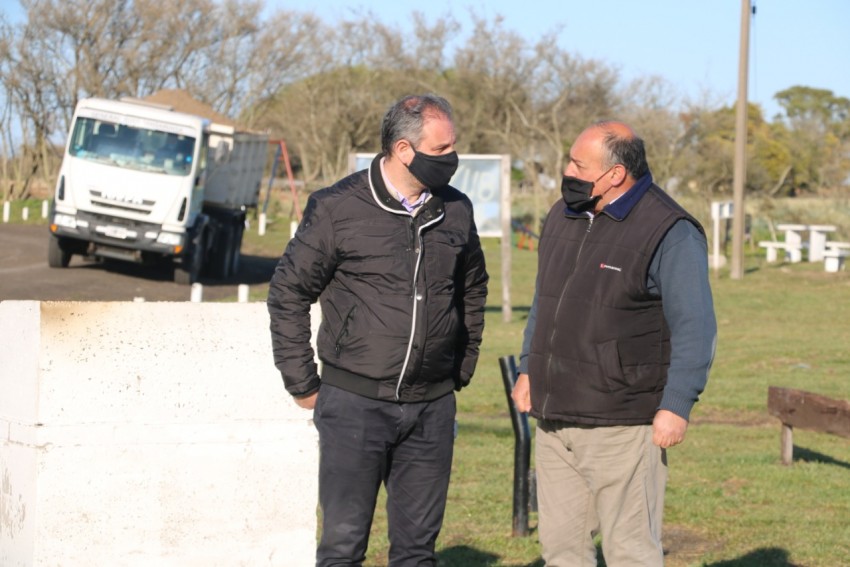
{"points": [[819, 122]]}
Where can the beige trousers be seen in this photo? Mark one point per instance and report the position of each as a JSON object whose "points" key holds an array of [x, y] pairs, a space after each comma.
{"points": [[599, 480]]}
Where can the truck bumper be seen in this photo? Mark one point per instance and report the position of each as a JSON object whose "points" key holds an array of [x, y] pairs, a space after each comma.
{"points": [[118, 238]]}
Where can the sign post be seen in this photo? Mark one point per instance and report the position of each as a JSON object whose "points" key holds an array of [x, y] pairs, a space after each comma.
{"points": [[720, 210]]}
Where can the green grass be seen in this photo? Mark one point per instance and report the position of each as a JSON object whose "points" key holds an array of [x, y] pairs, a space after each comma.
{"points": [[730, 503], [33, 211]]}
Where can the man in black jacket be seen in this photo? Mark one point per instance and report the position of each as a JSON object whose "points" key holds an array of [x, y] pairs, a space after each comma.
{"points": [[617, 349], [393, 256]]}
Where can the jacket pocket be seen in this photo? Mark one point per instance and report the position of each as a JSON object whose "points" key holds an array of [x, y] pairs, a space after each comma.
{"points": [[443, 252], [343, 331]]}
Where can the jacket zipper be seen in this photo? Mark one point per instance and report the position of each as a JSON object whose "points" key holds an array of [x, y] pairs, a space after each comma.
{"points": [[415, 298], [558, 310]]}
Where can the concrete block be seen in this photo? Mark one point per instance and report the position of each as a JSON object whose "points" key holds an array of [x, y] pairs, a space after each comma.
{"points": [[150, 434]]}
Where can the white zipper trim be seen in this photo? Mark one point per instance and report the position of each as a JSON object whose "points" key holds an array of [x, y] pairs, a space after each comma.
{"points": [[415, 301]]}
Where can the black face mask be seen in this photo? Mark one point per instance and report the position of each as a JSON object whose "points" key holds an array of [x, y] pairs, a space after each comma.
{"points": [[577, 193], [433, 171]]}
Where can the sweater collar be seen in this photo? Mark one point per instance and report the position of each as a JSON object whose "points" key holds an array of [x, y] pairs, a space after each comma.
{"points": [[622, 206], [620, 209]]}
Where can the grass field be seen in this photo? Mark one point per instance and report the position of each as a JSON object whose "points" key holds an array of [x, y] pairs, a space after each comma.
{"points": [[730, 503]]}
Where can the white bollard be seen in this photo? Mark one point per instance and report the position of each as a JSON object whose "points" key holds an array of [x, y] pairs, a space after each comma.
{"points": [[25, 213], [262, 227], [243, 293], [197, 293], [6, 209], [44, 209]]}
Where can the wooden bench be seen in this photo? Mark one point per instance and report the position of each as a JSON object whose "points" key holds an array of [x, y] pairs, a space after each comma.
{"points": [[835, 245], [833, 259], [793, 253], [796, 408]]}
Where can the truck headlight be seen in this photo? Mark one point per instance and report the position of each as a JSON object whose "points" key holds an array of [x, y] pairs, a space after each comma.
{"points": [[67, 221], [170, 239]]}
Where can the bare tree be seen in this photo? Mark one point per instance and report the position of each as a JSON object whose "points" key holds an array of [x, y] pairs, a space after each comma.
{"points": [[366, 65]]}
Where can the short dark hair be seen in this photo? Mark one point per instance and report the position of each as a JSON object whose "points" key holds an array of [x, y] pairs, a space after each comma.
{"points": [[406, 118], [628, 151]]}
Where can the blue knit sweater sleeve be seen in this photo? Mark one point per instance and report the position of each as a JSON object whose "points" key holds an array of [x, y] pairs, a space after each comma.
{"points": [[679, 274], [526, 337]]}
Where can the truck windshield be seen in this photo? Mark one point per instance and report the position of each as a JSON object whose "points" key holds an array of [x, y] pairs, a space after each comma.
{"points": [[134, 148]]}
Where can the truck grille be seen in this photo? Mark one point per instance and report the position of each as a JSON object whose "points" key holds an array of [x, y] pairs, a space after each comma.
{"points": [[99, 198]]}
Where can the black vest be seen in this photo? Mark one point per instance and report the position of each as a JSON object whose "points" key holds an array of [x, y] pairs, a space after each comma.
{"points": [[601, 345]]}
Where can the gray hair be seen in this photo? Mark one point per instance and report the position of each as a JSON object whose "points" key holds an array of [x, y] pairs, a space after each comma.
{"points": [[406, 118], [627, 151]]}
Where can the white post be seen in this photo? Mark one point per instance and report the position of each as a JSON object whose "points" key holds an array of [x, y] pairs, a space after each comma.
{"points": [[505, 223], [197, 294], [262, 225], [6, 210], [720, 211], [715, 234], [243, 293], [25, 213], [44, 208]]}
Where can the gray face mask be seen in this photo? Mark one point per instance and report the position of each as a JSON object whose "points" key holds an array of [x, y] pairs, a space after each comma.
{"points": [[433, 171]]}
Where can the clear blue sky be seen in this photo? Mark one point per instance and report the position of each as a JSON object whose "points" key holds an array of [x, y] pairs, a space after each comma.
{"points": [[694, 44]]}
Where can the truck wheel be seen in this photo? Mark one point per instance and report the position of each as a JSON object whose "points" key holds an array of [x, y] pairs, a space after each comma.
{"points": [[236, 260], [223, 257], [188, 272], [58, 255]]}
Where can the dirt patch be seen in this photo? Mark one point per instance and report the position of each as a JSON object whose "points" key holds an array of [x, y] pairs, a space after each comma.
{"points": [[683, 547]]}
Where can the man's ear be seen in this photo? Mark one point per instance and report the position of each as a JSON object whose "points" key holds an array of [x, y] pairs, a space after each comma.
{"points": [[403, 150], [619, 175]]}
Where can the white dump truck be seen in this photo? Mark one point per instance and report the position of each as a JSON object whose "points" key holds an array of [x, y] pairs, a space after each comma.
{"points": [[145, 183]]}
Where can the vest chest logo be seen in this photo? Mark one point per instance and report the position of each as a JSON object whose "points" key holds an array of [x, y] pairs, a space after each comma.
{"points": [[604, 266]]}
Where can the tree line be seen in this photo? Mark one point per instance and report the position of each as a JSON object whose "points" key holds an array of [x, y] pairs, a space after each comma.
{"points": [[324, 88]]}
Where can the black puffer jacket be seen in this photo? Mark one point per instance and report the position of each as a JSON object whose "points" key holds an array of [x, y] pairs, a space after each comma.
{"points": [[402, 296]]}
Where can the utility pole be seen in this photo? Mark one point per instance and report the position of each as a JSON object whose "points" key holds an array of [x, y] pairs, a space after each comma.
{"points": [[740, 174]]}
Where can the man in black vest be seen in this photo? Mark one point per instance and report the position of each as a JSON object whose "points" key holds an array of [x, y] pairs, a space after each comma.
{"points": [[617, 349]]}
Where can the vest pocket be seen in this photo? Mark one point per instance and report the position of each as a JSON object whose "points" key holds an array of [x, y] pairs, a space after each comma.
{"points": [[608, 358]]}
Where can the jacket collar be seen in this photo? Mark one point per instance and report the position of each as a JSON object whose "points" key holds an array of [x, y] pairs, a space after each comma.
{"points": [[432, 208]]}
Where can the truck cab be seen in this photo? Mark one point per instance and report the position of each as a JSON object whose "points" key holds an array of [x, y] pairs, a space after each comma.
{"points": [[133, 186]]}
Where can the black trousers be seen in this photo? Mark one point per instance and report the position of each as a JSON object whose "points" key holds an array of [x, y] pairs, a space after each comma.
{"points": [[364, 442]]}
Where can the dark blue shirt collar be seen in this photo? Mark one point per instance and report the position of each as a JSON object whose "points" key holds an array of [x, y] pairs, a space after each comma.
{"points": [[619, 209]]}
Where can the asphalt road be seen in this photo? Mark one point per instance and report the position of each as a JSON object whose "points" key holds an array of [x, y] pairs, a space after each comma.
{"points": [[24, 274]]}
